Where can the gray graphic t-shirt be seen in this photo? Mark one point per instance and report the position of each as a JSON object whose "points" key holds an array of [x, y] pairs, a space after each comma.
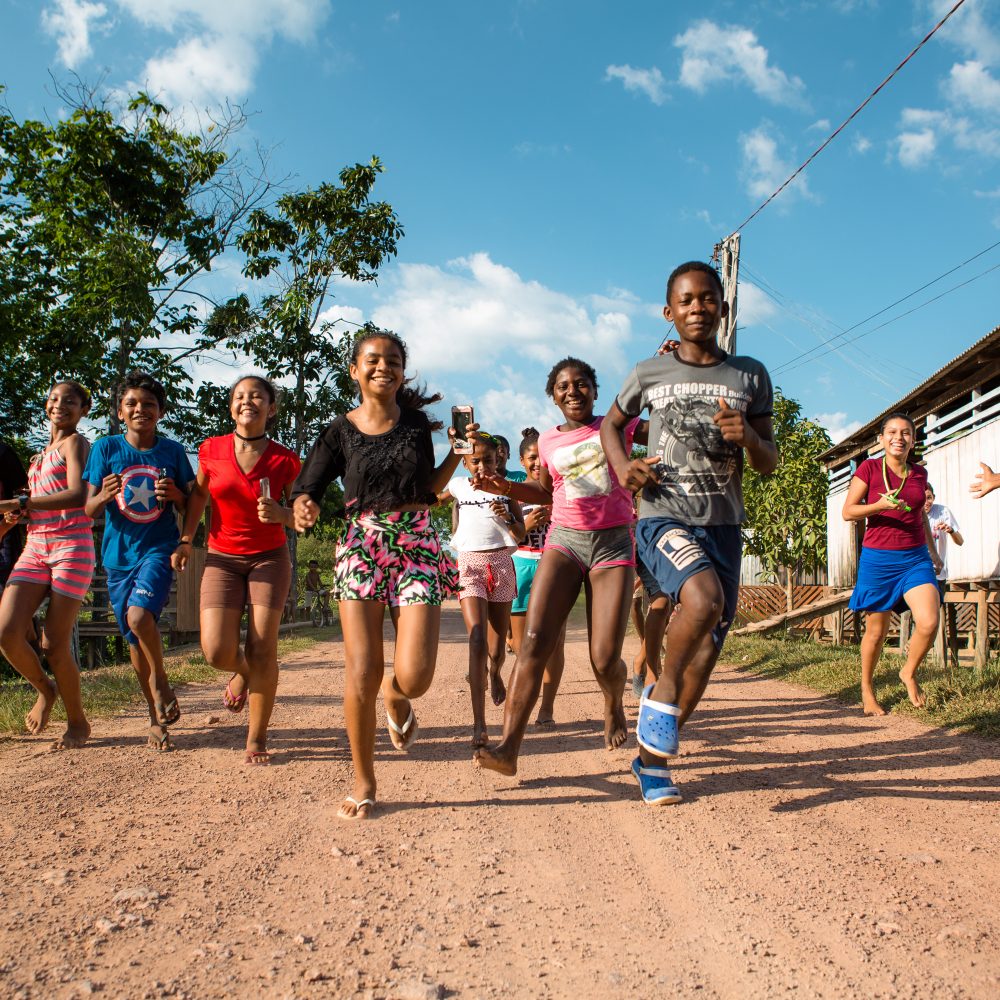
{"points": [[701, 478]]}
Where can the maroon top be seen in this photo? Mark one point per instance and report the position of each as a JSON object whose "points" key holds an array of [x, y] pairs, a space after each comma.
{"points": [[894, 529]]}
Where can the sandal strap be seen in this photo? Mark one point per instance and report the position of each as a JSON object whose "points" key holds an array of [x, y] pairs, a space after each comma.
{"points": [[354, 802], [658, 706], [406, 726]]}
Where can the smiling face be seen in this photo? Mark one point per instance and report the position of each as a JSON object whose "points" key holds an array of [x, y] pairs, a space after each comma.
{"points": [[379, 368], [574, 393], [64, 407], [531, 462], [695, 307], [139, 410], [897, 438], [483, 459], [928, 500], [251, 406]]}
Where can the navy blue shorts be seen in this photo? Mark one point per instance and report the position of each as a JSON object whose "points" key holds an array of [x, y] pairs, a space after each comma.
{"points": [[145, 585], [647, 579], [673, 552]]}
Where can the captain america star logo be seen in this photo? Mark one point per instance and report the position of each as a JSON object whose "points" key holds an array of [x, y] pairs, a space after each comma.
{"points": [[137, 500]]}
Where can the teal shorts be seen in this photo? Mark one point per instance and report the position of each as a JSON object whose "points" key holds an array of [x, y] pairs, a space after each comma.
{"points": [[524, 571]]}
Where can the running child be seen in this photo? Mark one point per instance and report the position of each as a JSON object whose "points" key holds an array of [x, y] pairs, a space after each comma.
{"points": [[315, 589], [706, 409], [390, 555], [57, 562], [537, 520], [246, 475], [589, 544], [142, 480], [485, 531]]}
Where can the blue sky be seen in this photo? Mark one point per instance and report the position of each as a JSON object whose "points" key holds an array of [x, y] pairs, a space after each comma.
{"points": [[552, 161]]}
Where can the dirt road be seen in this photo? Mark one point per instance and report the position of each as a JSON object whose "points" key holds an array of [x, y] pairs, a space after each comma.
{"points": [[818, 853]]}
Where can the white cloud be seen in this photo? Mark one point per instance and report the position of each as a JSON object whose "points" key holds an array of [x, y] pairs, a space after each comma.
{"points": [[969, 29], [764, 168], [475, 314], [837, 425], [916, 149], [70, 22], [753, 305], [820, 125], [971, 84], [862, 144], [922, 129], [644, 81], [510, 410], [715, 53], [202, 71]]}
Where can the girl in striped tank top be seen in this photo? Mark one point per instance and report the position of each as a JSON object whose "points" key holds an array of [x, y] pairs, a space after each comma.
{"points": [[57, 562]]}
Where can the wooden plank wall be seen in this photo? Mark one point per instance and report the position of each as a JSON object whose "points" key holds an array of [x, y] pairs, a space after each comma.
{"points": [[842, 553]]}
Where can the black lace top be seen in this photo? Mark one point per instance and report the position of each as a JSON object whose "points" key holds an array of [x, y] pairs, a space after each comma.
{"points": [[380, 472]]}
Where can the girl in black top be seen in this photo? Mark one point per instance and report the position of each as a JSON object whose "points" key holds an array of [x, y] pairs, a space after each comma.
{"points": [[390, 553]]}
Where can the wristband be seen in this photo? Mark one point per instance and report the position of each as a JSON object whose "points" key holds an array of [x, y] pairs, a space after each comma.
{"points": [[184, 541]]}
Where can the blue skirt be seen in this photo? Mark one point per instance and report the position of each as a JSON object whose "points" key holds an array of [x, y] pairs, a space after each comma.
{"points": [[885, 575]]}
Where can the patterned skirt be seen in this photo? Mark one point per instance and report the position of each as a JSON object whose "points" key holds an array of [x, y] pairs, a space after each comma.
{"points": [[395, 558]]}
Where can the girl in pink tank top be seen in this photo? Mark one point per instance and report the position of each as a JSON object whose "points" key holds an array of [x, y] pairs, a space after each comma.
{"points": [[57, 562]]}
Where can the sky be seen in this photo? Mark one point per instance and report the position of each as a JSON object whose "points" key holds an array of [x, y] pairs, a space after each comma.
{"points": [[552, 160]]}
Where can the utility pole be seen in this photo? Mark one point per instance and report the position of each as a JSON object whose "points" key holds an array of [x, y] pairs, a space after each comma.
{"points": [[726, 257]]}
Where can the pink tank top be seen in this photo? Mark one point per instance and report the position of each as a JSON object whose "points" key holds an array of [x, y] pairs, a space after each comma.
{"points": [[46, 475]]}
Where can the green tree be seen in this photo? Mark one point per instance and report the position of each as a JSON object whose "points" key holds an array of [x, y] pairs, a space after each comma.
{"points": [[110, 221], [786, 511]]}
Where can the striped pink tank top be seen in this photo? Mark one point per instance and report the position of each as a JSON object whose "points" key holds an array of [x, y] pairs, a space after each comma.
{"points": [[47, 474]]}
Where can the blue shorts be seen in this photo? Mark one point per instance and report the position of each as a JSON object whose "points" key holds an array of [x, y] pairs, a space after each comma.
{"points": [[673, 552], [646, 578], [885, 575], [524, 572], [146, 585]]}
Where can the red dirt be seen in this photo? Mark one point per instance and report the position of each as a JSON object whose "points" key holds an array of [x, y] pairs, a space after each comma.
{"points": [[817, 853]]}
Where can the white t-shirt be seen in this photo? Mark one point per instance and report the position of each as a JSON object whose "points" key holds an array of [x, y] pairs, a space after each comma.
{"points": [[939, 514], [479, 528]]}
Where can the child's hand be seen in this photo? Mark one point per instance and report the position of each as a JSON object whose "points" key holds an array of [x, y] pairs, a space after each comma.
{"points": [[668, 347], [111, 486], [639, 473], [732, 423], [179, 557], [986, 481], [499, 509], [537, 517], [167, 491], [305, 512], [12, 516], [269, 511], [490, 484]]}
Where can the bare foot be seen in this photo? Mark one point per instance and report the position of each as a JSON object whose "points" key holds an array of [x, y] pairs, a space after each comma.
{"points": [[498, 690], [615, 724], [359, 805], [917, 699], [159, 739], [480, 738], [496, 759], [544, 718], [871, 705], [38, 718], [76, 735]]}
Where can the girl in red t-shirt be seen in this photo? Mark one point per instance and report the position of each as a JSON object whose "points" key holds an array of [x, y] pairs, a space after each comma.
{"points": [[246, 475], [899, 563]]}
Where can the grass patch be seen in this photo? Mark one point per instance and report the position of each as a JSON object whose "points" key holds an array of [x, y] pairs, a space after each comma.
{"points": [[108, 690], [959, 698]]}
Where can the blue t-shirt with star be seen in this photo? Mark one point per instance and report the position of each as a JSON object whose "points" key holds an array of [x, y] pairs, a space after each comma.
{"points": [[134, 525]]}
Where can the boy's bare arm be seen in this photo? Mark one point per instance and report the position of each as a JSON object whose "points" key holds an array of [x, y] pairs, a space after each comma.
{"points": [[754, 434], [635, 474]]}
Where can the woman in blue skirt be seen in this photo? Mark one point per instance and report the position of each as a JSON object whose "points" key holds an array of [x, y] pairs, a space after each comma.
{"points": [[898, 566]]}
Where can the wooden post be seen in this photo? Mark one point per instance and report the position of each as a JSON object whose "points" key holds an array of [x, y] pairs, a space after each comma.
{"points": [[905, 621], [951, 632], [982, 627], [727, 256], [838, 628]]}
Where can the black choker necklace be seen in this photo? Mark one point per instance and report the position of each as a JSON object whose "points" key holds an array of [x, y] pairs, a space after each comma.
{"points": [[259, 437]]}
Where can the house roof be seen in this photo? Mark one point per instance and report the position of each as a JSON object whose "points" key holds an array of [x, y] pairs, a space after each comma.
{"points": [[959, 376]]}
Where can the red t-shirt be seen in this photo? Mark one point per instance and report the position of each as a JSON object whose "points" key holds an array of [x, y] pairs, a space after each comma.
{"points": [[894, 529], [235, 527]]}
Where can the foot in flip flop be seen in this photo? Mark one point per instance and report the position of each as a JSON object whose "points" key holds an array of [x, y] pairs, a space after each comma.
{"points": [[159, 739], [544, 718], [38, 718], [402, 736], [257, 758], [76, 735], [358, 806], [234, 702], [656, 730], [169, 712], [655, 784]]}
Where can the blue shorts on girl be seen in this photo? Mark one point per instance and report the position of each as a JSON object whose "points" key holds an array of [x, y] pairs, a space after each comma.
{"points": [[885, 575], [146, 585], [673, 552]]}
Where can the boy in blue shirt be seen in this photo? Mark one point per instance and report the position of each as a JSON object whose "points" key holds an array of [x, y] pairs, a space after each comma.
{"points": [[707, 410], [140, 471]]}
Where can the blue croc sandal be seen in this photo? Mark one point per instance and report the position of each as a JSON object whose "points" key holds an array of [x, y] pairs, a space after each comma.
{"points": [[657, 728], [656, 785]]}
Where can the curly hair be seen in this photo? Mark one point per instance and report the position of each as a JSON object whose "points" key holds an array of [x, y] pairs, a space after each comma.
{"points": [[576, 363]]}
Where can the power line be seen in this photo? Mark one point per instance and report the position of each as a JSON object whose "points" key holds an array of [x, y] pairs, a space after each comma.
{"points": [[833, 346], [833, 135]]}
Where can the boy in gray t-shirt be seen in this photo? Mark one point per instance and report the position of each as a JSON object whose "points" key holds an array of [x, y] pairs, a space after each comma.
{"points": [[706, 408]]}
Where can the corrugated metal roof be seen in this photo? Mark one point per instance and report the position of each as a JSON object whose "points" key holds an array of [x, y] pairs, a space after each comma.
{"points": [[943, 386]]}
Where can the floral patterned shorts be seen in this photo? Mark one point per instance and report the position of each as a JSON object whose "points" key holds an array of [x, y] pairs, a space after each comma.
{"points": [[489, 575], [395, 558]]}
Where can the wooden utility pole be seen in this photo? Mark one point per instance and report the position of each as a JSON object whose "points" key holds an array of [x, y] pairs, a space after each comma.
{"points": [[726, 256]]}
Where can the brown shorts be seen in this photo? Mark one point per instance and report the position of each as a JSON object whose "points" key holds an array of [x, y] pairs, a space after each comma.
{"points": [[265, 576]]}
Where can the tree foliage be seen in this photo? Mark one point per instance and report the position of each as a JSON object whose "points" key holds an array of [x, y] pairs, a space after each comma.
{"points": [[786, 511]]}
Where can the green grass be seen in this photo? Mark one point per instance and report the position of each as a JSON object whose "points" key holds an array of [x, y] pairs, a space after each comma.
{"points": [[959, 698], [108, 690]]}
